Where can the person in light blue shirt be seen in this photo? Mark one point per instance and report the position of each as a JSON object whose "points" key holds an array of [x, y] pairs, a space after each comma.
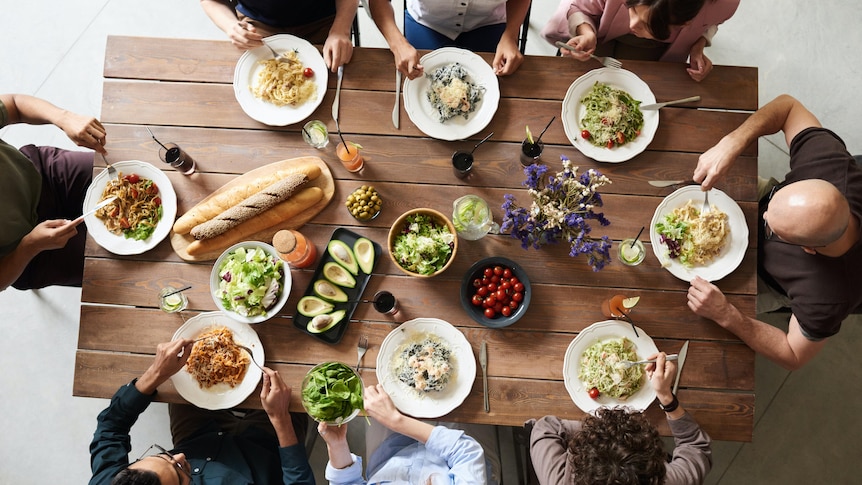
{"points": [[415, 453]]}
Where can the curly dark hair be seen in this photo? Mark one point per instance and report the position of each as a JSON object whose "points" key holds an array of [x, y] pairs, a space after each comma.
{"points": [[131, 476], [663, 14], [617, 447]]}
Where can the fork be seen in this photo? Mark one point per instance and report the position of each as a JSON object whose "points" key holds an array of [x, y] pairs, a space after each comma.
{"points": [[112, 172], [251, 355], [606, 61], [706, 207], [627, 363], [361, 348]]}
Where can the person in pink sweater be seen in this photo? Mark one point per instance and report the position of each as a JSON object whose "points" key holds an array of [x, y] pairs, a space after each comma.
{"points": [[656, 30]]}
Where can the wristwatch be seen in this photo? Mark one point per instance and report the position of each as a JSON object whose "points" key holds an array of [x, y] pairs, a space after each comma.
{"points": [[670, 407]]}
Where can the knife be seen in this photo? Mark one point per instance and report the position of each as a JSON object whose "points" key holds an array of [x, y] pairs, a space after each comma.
{"points": [[337, 94], [666, 103], [101, 204], [483, 361], [680, 361], [668, 183], [396, 112]]}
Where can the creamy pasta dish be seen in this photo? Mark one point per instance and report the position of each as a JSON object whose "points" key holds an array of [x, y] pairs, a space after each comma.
{"points": [[451, 93], [282, 82], [602, 368], [692, 238], [424, 365], [137, 209], [215, 359]]}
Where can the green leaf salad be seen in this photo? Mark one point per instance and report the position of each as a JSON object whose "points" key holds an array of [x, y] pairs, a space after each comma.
{"points": [[250, 281], [331, 392], [424, 246], [601, 368], [612, 116]]}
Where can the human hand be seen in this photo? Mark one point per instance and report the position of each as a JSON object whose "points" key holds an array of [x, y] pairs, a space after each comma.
{"points": [[407, 60], [333, 435], [85, 131], [507, 58], [337, 50], [243, 35], [51, 234], [700, 66], [275, 396], [706, 300], [585, 44], [716, 162], [661, 375], [170, 358], [379, 406]]}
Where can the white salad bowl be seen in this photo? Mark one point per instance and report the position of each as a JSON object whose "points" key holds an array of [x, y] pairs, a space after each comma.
{"points": [[216, 278]]}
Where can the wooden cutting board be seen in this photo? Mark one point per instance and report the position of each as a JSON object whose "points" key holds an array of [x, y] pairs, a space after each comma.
{"points": [[181, 241]]}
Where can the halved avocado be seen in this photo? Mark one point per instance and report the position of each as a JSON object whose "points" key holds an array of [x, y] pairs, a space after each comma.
{"points": [[322, 323], [311, 306], [363, 249], [343, 255], [336, 273], [328, 291]]}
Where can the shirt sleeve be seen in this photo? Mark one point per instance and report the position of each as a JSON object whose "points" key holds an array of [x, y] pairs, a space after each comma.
{"points": [[351, 475], [463, 454], [294, 466], [109, 450], [549, 447], [692, 456]]}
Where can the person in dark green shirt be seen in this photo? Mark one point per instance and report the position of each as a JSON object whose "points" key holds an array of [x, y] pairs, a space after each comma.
{"points": [[209, 446]]}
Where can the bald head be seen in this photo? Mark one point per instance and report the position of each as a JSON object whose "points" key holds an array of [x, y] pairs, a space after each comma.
{"points": [[809, 212]]}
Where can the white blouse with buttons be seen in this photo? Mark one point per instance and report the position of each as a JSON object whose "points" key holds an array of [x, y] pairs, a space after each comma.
{"points": [[451, 17]]}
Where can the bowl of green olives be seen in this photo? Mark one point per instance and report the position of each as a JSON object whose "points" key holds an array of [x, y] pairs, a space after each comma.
{"points": [[364, 203]]}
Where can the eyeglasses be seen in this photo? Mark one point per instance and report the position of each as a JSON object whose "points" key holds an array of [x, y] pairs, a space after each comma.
{"points": [[165, 455]]}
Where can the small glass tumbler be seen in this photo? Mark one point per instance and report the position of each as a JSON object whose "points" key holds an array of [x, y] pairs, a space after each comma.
{"points": [[531, 152], [462, 164], [176, 157], [350, 157], [315, 134], [171, 300], [632, 254], [385, 303]]}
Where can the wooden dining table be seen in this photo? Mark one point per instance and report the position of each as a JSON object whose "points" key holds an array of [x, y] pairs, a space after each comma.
{"points": [[183, 90]]}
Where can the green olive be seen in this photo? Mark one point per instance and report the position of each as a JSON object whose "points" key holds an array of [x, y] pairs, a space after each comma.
{"points": [[364, 202]]}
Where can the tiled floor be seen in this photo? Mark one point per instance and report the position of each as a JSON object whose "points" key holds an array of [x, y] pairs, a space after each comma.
{"points": [[806, 422]]}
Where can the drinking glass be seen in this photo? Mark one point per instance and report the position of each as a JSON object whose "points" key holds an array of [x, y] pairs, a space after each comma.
{"points": [[531, 152], [350, 157], [176, 157], [315, 134], [462, 163], [171, 301], [632, 255]]}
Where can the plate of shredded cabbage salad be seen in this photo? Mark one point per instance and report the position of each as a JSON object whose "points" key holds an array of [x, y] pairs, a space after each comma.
{"points": [[592, 360], [688, 247], [455, 98], [249, 282], [606, 104]]}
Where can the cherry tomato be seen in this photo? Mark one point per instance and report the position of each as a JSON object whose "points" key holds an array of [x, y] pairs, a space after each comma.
{"points": [[490, 313], [501, 295], [124, 223], [505, 285], [477, 283], [498, 270], [610, 143], [518, 296], [513, 304], [308, 72], [507, 273], [495, 279], [506, 311], [491, 300], [157, 201], [518, 287], [491, 286], [585, 135], [482, 291], [621, 138], [153, 189], [132, 178], [477, 300], [498, 307], [594, 393], [134, 193], [489, 272], [513, 280]]}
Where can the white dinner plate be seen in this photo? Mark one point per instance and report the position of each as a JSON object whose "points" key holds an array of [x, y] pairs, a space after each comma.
{"points": [[118, 244], [249, 66], [435, 403], [220, 396], [608, 329], [731, 254], [421, 112], [573, 111]]}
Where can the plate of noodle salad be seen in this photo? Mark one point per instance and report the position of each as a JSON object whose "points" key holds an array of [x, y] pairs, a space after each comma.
{"points": [[675, 234], [606, 102], [125, 226], [592, 360], [280, 95], [228, 388]]}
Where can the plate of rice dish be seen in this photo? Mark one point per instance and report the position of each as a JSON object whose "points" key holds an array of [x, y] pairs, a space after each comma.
{"points": [[427, 367], [688, 244], [455, 98], [602, 117], [218, 374], [279, 92], [593, 360]]}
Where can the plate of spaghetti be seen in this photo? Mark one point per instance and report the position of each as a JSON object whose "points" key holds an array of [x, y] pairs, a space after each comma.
{"points": [[280, 92], [143, 213], [218, 374], [427, 367], [688, 244]]}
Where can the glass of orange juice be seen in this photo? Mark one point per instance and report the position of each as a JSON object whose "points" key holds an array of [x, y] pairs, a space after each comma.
{"points": [[350, 156]]}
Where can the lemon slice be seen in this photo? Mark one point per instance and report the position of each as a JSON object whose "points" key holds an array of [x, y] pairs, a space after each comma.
{"points": [[630, 254], [529, 135], [631, 302], [172, 301]]}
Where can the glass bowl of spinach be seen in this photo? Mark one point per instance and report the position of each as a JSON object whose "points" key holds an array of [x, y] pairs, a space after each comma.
{"points": [[332, 393]]}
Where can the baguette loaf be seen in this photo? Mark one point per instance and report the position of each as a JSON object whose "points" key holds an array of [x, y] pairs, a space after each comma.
{"points": [[250, 207], [217, 204], [293, 206]]}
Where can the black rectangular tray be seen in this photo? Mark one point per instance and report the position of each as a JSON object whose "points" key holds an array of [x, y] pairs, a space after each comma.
{"points": [[334, 334]]}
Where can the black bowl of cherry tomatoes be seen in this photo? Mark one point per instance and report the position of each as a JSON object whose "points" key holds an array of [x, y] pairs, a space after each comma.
{"points": [[495, 292]]}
